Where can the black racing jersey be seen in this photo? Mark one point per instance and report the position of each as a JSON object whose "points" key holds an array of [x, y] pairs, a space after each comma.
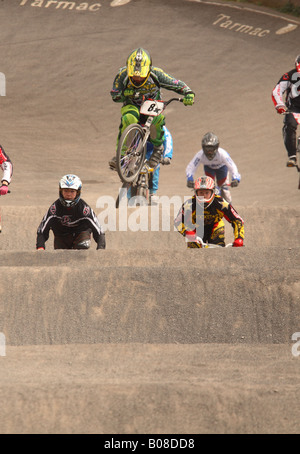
{"points": [[63, 221], [190, 219], [288, 86], [6, 165], [157, 80]]}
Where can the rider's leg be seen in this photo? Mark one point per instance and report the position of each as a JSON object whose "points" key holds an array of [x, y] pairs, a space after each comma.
{"points": [[157, 136], [63, 241], [82, 240], [129, 114], [223, 183], [217, 235], [154, 180], [209, 172], [289, 132], [154, 176]]}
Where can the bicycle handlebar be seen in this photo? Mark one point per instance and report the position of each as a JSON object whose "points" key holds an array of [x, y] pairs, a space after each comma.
{"points": [[171, 100], [210, 245]]}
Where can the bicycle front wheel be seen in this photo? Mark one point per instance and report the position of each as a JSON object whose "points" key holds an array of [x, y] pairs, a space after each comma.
{"points": [[131, 153]]}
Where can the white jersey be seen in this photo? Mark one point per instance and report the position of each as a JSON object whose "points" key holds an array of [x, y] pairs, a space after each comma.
{"points": [[221, 158]]}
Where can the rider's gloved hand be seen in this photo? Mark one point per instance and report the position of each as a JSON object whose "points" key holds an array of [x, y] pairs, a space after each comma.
{"points": [[3, 189], [188, 100], [166, 161], [281, 108], [128, 92], [234, 183], [238, 242], [190, 183], [191, 236]]}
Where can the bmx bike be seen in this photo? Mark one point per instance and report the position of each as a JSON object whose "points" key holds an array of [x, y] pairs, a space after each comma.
{"points": [[139, 188], [199, 243], [132, 147], [132, 166]]}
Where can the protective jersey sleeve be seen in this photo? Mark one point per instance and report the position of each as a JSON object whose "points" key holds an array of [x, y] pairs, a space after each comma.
{"points": [[184, 219], [119, 85], [279, 90], [6, 166], [193, 165], [43, 230], [170, 83], [232, 167], [234, 219], [98, 232]]}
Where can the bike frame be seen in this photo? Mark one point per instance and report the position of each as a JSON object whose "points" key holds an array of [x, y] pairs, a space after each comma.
{"points": [[132, 145]]}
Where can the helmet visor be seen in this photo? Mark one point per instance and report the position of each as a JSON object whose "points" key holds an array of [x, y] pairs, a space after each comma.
{"points": [[210, 151]]}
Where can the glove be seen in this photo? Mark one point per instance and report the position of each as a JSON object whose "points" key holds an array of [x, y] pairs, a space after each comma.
{"points": [[188, 100], [190, 183], [166, 161], [3, 189], [234, 183], [238, 242], [281, 109], [191, 235], [128, 92]]}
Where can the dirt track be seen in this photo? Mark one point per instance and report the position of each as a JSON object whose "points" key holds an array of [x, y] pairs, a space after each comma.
{"points": [[147, 336]]}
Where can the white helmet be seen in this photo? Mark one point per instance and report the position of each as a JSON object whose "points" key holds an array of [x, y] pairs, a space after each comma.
{"points": [[70, 182], [208, 183]]}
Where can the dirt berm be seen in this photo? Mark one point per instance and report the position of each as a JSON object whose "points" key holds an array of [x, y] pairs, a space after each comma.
{"points": [[147, 337]]}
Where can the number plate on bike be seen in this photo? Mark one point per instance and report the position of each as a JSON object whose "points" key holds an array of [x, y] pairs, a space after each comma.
{"points": [[152, 108]]}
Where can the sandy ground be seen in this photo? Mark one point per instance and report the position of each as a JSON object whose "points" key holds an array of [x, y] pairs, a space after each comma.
{"points": [[147, 337]]}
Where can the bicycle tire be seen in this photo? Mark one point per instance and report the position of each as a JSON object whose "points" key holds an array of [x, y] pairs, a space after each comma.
{"points": [[131, 153], [118, 199], [143, 192]]}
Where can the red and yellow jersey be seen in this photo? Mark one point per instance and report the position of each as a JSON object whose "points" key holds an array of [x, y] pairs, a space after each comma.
{"points": [[191, 217]]}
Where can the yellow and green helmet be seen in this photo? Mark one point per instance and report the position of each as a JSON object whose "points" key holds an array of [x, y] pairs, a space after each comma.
{"points": [[139, 63]]}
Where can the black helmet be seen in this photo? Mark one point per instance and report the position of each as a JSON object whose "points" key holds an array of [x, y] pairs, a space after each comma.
{"points": [[210, 145]]}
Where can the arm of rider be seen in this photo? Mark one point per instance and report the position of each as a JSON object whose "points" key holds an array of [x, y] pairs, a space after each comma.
{"points": [[234, 183], [190, 235], [281, 108], [101, 244], [4, 187], [238, 242], [190, 182]]}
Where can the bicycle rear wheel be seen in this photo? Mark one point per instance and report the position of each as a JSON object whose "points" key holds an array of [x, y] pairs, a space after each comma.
{"points": [[130, 153]]}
